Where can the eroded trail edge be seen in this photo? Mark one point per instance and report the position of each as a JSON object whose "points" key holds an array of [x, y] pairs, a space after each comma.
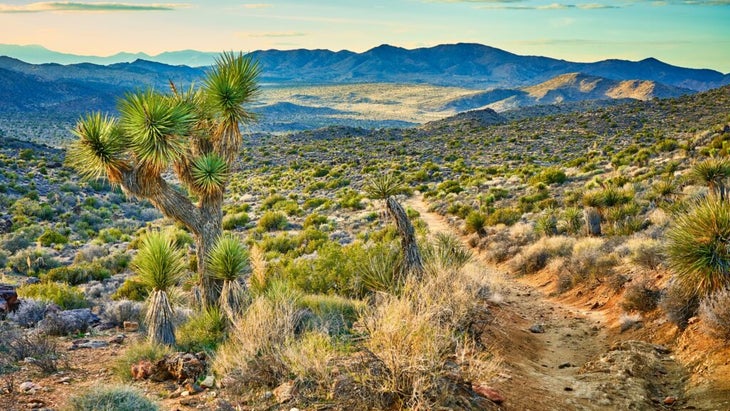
{"points": [[557, 356]]}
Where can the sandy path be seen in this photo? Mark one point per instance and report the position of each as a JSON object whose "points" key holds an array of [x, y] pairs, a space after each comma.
{"points": [[541, 368]]}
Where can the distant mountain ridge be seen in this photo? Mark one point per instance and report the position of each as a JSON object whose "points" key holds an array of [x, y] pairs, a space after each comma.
{"points": [[463, 64]]}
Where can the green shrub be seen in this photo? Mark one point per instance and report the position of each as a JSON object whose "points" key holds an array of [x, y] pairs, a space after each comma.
{"points": [[131, 289], [335, 313], [273, 220], [450, 186], [315, 220], [203, 331], [475, 223], [506, 216], [113, 398], [550, 175], [52, 237], [77, 274], [233, 221], [63, 295]]}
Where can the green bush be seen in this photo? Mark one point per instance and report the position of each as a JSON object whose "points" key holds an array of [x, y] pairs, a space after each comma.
{"points": [[52, 237], [233, 221], [273, 220], [204, 331], [113, 398], [131, 289], [63, 295], [77, 274], [551, 175], [475, 223], [333, 312], [506, 216], [315, 220]]}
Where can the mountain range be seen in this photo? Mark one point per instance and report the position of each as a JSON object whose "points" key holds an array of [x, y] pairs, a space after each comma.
{"points": [[489, 77]]}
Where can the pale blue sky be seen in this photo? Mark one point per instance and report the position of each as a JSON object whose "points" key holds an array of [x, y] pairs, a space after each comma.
{"points": [[692, 33]]}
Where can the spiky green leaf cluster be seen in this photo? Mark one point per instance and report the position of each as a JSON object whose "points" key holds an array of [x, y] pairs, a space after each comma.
{"points": [[232, 83], [159, 264], [698, 248], [714, 172], [229, 259], [210, 173], [382, 186], [156, 126], [100, 147]]}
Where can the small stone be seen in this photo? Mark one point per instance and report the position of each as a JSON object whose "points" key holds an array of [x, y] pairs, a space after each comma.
{"points": [[131, 326], [489, 393], [267, 395], [565, 365], [693, 320], [117, 339], [670, 400], [28, 387], [293, 409], [185, 393], [568, 389], [64, 380], [208, 382], [537, 329]]}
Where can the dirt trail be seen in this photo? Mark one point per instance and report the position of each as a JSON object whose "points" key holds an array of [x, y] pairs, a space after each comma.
{"points": [[542, 368]]}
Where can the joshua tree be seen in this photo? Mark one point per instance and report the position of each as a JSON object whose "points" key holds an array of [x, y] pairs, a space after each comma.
{"points": [[229, 261], [385, 187], [195, 132], [714, 173], [160, 266]]}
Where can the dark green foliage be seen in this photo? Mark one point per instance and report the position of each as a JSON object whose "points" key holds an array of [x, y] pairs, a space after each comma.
{"points": [[52, 237], [506, 216], [233, 221], [77, 274], [551, 175], [475, 222], [697, 248]]}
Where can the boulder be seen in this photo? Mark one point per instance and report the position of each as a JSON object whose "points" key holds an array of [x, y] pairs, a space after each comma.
{"points": [[8, 298], [177, 366]]}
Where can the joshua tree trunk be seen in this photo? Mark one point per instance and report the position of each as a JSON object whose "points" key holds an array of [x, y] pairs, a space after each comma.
{"points": [[593, 221], [412, 261], [204, 220], [159, 319]]}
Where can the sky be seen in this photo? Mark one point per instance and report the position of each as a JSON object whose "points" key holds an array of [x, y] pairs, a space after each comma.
{"points": [[689, 33]]}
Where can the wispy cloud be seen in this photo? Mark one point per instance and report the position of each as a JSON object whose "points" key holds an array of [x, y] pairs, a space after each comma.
{"points": [[257, 5], [87, 7], [552, 6], [528, 5], [274, 34]]}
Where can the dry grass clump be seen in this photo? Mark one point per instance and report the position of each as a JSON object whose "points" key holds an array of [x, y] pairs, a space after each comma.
{"points": [[591, 260], [418, 339], [715, 314], [640, 297], [645, 252], [253, 354], [536, 256]]}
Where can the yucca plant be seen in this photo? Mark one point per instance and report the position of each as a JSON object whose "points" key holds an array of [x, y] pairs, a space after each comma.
{"points": [[160, 266], [713, 172], [386, 187], [196, 133], [447, 252], [698, 248], [229, 262]]}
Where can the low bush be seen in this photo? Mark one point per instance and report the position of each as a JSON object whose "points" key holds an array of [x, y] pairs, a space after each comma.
{"points": [[30, 312], [333, 313], [63, 295], [640, 297], [112, 398], [115, 313], [131, 289], [506, 216], [122, 366], [77, 274], [715, 314], [535, 257], [52, 237], [646, 252], [37, 349], [678, 304], [203, 331], [273, 220], [475, 222], [233, 221]]}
